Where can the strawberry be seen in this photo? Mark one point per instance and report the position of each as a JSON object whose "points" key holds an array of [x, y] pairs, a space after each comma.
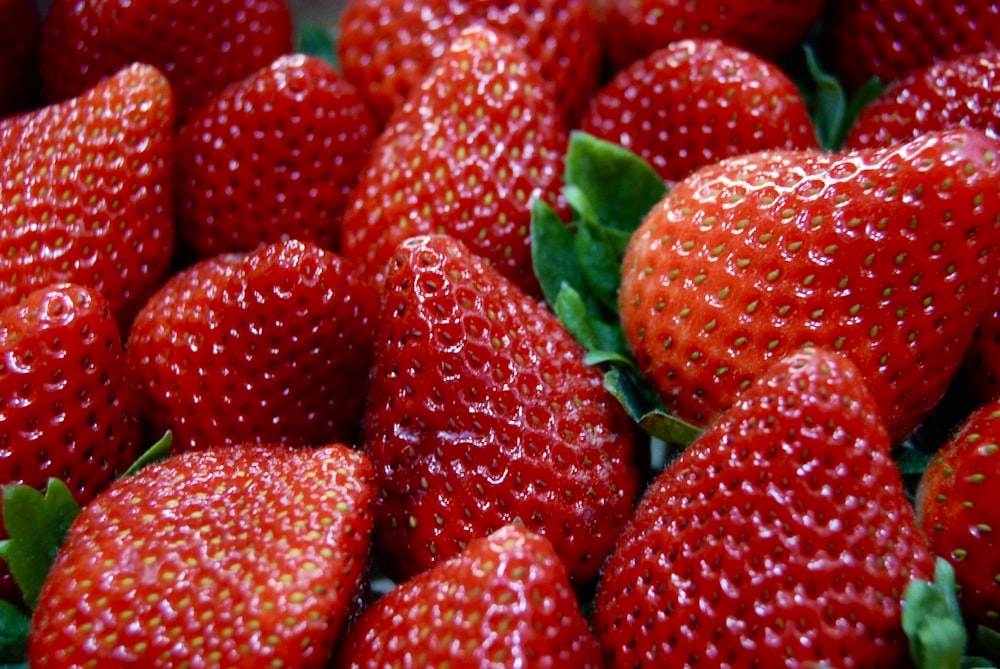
{"points": [[504, 601], [960, 92], [634, 29], [957, 511], [386, 48], [466, 154], [272, 157], [20, 26], [268, 346], [481, 410], [781, 538], [979, 373], [85, 192], [884, 254], [201, 47], [241, 556], [697, 101]]}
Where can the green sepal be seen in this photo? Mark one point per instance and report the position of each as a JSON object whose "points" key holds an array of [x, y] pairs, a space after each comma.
{"points": [[552, 252], [933, 622], [15, 625], [912, 461], [313, 39], [158, 452], [833, 114], [988, 645]]}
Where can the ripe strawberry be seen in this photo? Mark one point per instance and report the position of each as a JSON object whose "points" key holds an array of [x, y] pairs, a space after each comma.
{"points": [[957, 511], [883, 254], [272, 157], [229, 557], [781, 538], [634, 29], [979, 374], [201, 47], [269, 346], [465, 155], [504, 601], [481, 411], [697, 101], [386, 48], [960, 92], [85, 192], [19, 34]]}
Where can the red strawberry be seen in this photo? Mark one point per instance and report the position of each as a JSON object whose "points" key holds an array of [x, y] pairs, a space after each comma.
{"points": [[697, 101], [19, 35], [781, 538], [504, 601], [979, 374], [202, 47], [958, 512], [481, 411], [889, 39], [634, 29], [886, 255], [386, 48], [272, 157], [85, 192], [270, 346], [961, 92], [230, 557], [465, 155]]}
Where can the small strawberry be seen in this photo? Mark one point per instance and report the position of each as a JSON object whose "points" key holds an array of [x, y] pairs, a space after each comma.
{"points": [[20, 26], [229, 557], [85, 192], [482, 411], [781, 538], [202, 47], [271, 346], [272, 157], [883, 254], [697, 101], [958, 512], [386, 48], [504, 601]]}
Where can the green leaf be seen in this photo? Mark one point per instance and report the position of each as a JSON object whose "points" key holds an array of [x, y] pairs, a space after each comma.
{"points": [[600, 262], [833, 114], [932, 620], [912, 461], [37, 526], [552, 255], [14, 627], [315, 40], [669, 428], [988, 643], [158, 452]]}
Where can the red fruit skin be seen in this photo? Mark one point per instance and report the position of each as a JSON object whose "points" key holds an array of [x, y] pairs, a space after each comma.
{"points": [[781, 538], [504, 601], [957, 510], [482, 411], [961, 92], [273, 157], [243, 556], [272, 346], [889, 39], [887, 255], [634, 29], [20, 26], [697, 101], [979, 374], [387, 48], [86, 193], [464, 156], [202, 47]]}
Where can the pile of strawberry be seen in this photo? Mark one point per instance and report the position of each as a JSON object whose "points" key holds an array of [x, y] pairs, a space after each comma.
{"points": [[513, 334]]}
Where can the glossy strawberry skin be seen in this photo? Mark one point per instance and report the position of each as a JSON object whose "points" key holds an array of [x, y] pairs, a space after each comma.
{"points": [[20, 26], [271, 346], [272, 157], [241, 556], [201, 47], [386, 48], [87, 194], [885, 255], [481, 411], [697, 101], [956, 507], [781, 537], [506, 600]]}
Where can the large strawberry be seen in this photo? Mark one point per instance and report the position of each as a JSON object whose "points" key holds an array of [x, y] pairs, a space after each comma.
{"points": [[887, 255], [504, 601], [19, 37], [272, 157], [697, 101], [467, 153], [958, 512], [202, 47], [229, 557], [271, 346], [386, 48], [781, 538], [85, 192]]}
